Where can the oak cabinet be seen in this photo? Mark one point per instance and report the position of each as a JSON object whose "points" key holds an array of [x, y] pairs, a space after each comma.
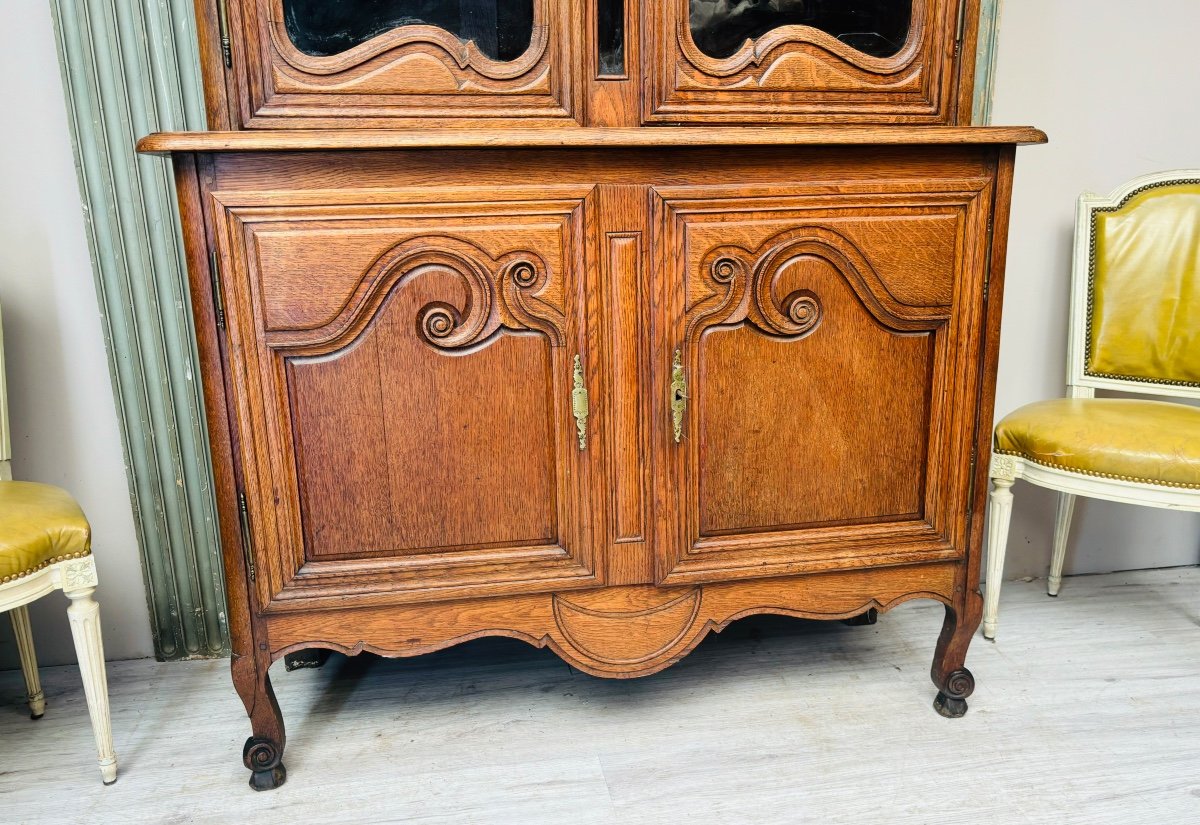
{"points": [[599, 324]]}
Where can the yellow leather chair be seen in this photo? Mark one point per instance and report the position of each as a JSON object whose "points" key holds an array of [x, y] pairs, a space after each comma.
{"points": [[1135, 328], [45, 545]]}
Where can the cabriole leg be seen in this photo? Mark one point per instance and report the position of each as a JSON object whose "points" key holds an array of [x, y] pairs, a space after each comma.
{"points": [[999, 516], [953, 681], [84, 616], [263, 752], [23, 630], [1062, 529]]}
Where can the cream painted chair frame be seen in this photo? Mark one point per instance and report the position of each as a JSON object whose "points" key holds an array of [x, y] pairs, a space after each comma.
{"points": [[77, 579], [1006, 469]]}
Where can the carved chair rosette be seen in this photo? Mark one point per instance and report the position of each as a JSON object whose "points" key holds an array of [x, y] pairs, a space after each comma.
{"points": [[311, 63], [805, 61]]}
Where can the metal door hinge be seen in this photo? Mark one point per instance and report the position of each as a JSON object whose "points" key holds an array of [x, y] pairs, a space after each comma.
{"points": [[214, 271], [962, 26], [987, 275], [247, 549], [223, 25], [579, 402], [971, 488]]}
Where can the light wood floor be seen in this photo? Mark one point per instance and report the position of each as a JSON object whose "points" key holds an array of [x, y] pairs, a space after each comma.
{"points": [[1086, 711]]}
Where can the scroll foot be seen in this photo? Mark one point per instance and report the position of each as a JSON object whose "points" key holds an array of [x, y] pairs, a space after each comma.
{"points": [[264, 758], [951, 700]]}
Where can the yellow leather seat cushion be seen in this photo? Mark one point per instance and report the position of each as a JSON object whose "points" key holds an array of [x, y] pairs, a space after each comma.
{"points": [[1156, 442], [39, 525]]}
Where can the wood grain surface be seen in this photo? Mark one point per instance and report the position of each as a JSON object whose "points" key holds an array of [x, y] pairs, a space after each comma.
{"points": [[417, 138]]}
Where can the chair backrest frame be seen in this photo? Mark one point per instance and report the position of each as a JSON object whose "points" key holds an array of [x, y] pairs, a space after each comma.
{"points": [[1081, 383], [5, 439]]}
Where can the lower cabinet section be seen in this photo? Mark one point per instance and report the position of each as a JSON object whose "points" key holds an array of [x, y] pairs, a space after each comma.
{"points": [[617, 632], [605, 401]]}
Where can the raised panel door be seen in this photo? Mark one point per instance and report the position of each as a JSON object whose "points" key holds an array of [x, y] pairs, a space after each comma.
{"points": [[404, 375], [818, 375]]}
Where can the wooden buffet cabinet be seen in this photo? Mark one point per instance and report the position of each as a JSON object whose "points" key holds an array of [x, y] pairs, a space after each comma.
{"points": [[598, 324]]}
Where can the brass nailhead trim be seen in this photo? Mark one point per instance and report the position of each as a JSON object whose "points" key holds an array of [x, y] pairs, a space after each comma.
{"points": [[1169, 382], [1178, 484], [44, 565]]}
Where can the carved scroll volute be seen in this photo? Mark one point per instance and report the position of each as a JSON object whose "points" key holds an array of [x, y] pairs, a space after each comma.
{"points": [[441, 323], [497, 293], [744, 291]]}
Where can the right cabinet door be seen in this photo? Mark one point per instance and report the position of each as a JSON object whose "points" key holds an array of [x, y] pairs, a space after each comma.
{"points": [[820, 61], [817, 372]]}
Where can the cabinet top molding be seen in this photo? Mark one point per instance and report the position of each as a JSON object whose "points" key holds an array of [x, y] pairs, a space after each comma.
{"points": [[584, 138]]}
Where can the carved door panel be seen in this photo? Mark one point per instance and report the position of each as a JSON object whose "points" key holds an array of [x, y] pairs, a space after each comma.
{"points": [[403, 373], [320, 64], [818, 61], [822, 357]]}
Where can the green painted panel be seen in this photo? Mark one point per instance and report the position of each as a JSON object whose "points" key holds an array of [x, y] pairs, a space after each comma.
{"points": [[985, 64], [131, 67]]}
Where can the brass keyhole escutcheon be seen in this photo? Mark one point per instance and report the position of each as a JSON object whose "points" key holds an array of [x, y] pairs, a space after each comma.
{"points": [[678, 395]]}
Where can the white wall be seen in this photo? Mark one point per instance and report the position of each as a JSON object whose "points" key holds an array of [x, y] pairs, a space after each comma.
{"points": [[64, 423], [1114, 86]]}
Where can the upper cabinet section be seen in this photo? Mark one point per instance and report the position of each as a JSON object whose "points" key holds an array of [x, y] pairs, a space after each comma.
{"points": [[380, 64], [810, 61]]}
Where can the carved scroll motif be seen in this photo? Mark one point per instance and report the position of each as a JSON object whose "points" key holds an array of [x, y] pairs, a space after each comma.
{"points": [[745, 292], [501, 292], [742, 286]]}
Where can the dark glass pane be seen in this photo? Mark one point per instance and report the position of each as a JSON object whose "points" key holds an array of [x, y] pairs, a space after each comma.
{"points": [[611, 37], [501, 29], [876, 27]]}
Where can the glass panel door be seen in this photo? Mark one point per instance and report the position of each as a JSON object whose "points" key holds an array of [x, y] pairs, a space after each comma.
{"points": [[808, 61], [326, 64], [875, 27], [501, 29]]}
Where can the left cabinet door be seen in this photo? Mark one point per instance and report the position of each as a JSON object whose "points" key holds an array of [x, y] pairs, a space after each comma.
{"points": [[403, 373], [321, 64]]}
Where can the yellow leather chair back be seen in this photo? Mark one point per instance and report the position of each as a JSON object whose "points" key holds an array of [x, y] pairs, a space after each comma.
{"points": [[1144, 287]]}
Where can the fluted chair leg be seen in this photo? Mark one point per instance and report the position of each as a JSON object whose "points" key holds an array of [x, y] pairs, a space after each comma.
{"points": [[84, 615], [999, 515], [1062, 529], [23, 630]]}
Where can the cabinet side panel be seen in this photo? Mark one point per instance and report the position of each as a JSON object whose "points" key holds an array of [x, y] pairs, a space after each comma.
{"points": [[189, 171]]}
